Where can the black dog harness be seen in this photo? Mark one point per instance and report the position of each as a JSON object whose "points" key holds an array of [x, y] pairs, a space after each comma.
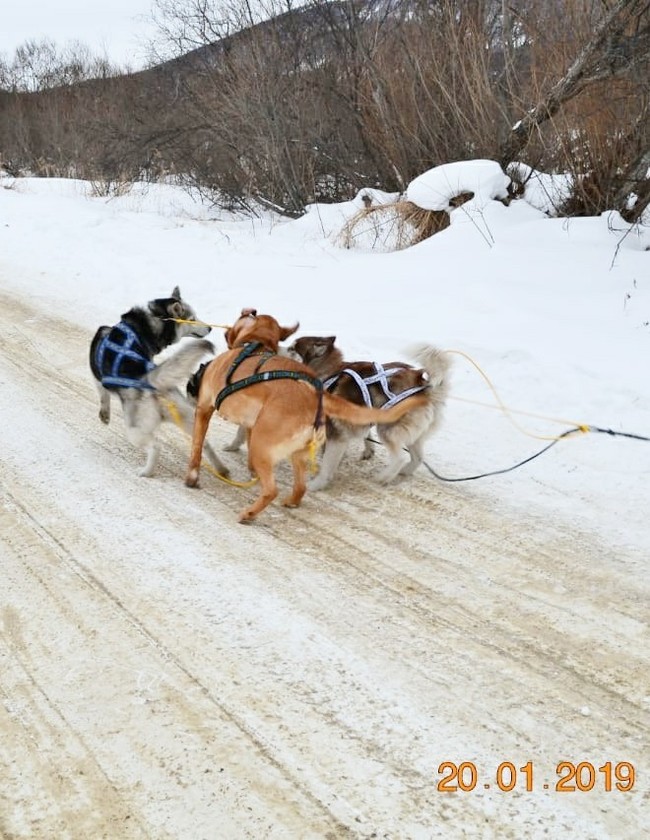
{"points": [[252, 349], [122, 361], [380, 377]]}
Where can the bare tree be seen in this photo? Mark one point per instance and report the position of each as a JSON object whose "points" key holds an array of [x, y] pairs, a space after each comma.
{"points": [[619, 44]]}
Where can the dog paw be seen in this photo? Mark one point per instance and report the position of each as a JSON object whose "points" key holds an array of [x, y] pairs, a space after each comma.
{"points": [[408, 469], [246, 517], [192, 479], [105, 417], [232, 447], [387, 478], [315, 485]]}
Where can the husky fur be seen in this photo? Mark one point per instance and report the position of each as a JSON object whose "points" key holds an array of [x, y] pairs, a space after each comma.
{"points": [[283, 417], [409, 432], [149, 392]]}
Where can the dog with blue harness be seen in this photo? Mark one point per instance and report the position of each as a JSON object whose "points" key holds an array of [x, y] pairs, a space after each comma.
{"points": [[122, 361]]}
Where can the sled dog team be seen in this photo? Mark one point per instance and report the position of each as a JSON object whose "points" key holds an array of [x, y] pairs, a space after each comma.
{"points": [[285, 401]]}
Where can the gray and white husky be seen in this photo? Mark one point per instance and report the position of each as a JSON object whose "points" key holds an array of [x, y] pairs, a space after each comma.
{"points": [[122, 362]]}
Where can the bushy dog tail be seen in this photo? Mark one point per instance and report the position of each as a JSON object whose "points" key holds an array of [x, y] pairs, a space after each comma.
{"points": [[177, 368], [436, 363], [359, 415]]}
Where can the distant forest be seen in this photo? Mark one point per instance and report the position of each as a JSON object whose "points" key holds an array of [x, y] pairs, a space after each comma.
{"points": [[287, 105]]}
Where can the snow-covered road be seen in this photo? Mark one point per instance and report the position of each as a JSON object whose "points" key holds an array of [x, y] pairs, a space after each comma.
{"points": [[168, 673]]}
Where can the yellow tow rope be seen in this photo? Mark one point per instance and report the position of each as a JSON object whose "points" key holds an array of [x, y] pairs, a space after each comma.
{"points": [[200, 323], [501, 406], [313, 448]]}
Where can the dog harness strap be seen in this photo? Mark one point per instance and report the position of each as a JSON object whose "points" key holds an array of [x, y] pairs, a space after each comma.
{"points": [[247, 350], [380, 377], [267, 376], [114, 374], [251, 349], [397, 398], [361, 385], [265, 357]]}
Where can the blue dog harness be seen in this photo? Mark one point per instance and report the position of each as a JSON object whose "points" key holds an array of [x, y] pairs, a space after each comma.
{"points": [[122, 360], [380, 377]]}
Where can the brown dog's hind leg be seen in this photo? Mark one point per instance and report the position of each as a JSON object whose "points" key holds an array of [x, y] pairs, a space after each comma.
{"points": [[263, 468], [262, 463], [201, 423], [299, 462]]}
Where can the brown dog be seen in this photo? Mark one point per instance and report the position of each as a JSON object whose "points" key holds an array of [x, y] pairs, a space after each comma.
{"points": [[282, 406]]}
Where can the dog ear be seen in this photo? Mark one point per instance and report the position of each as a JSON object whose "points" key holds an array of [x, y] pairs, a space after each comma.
{"points": [[285, 332], [176, 293], [176, 309], [322, 346], [157, 307]]}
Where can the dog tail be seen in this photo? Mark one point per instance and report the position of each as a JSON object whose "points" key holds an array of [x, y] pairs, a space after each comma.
{"points": [[359, 415], [436, 363], [177, 368]]}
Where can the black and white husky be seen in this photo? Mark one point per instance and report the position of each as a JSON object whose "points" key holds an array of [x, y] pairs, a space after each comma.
{"points": [[122, 362]]}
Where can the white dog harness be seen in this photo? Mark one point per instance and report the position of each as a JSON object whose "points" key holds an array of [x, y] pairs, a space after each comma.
{"points": [[380, 377]]}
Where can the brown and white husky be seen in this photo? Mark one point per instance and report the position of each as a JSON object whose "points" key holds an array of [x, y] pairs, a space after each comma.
{"points": [[382, 386]]}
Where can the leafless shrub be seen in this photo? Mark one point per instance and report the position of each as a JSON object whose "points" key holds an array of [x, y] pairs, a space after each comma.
{"points": [[391, 227], [110, 187]]}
